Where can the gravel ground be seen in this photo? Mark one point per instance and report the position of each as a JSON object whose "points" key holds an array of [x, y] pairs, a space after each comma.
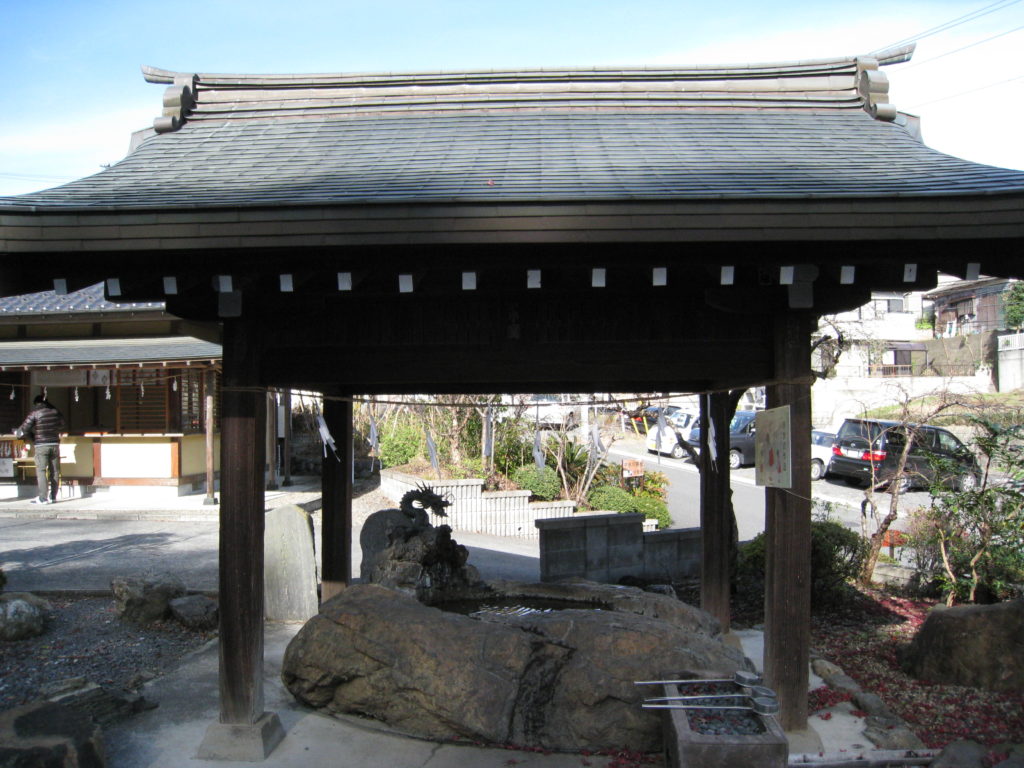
{"points": [[85, 638]]}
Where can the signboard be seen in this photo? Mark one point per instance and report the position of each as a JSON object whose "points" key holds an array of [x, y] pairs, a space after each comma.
{"points": [[6, 467], [61, 378], [773, 440], [632, 468]]}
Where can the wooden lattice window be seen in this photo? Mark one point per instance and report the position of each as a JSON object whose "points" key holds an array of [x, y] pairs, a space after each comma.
{"points": [[142, 400]]}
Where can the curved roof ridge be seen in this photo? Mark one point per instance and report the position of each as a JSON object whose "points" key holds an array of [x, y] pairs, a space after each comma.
{"points": [[628, 72], [838, 83]]}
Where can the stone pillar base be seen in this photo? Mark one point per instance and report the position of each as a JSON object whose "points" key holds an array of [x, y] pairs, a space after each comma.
{"points": [[242, 743]]}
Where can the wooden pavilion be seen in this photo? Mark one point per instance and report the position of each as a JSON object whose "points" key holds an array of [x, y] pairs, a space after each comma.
{"points": [[676, 229]]}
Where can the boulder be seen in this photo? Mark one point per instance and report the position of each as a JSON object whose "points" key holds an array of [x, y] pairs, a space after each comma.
{"points": [[961, 754], [977, 645], [22, 615], [195, 611], [558, 680], [44, 734], [146, 598]]}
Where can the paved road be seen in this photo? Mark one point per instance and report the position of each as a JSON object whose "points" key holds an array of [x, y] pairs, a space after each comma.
{"points": [[843, 501], [53, 555]]}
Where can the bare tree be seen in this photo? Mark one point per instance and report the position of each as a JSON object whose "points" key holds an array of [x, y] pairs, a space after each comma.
{"points": [[904, 434]]}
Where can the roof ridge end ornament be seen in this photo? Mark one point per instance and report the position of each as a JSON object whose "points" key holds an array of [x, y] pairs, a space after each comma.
{"points": [[179, 100], [873, 87]]}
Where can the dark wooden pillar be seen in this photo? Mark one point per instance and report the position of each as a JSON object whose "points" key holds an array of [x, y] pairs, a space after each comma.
{"points": [[336, 480], [715, 508], [788, 530], [245, 730]]}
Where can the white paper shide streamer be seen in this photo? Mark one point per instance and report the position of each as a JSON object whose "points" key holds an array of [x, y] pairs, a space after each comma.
{"points": [[712, 443], [432, 449], [325, 436], [538, 452], [596, 446]]}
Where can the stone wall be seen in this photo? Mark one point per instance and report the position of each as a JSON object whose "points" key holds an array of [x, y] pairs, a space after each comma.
{"points": [[606, 547]]}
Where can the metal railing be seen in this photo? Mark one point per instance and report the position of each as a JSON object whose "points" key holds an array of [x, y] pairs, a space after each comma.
{"points": [[887, 370]]}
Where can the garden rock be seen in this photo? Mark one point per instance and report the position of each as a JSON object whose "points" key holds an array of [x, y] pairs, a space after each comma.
{"points": [[824, 668], [893, 737], [44, 734], [146, 598], [22, 615], [841, 681], [976, 645], [872, 704], [100, 704], [195, 611], [961, 754], [558, 680]]}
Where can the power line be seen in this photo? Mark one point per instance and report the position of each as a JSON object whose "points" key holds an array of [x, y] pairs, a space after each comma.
{"points": [[992, 8], [33, 177], [962, 48], [965, 93]]}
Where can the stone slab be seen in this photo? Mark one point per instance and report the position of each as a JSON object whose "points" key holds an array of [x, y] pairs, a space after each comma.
{"points": [[289, 570]]}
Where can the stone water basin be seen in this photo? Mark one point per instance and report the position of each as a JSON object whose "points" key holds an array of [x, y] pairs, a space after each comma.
{"points": [[557, 679]]}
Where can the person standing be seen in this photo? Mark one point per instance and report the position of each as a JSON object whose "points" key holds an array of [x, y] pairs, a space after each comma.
{"points": [[43, 426]]}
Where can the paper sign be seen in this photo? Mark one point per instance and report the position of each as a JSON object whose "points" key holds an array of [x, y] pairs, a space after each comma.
{"points": [[773, 443]]}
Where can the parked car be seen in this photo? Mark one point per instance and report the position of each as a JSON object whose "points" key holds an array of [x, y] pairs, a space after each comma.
{"points": [[663, 440], [674, 415], [741, 439], [867, 450], [821, 453]]}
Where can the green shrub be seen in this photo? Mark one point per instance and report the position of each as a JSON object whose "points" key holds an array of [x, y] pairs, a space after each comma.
{"points": [[542, 483], [616, 499], [612, 498], [837, 554], [400, 444], [653, 508], [512, 447]]}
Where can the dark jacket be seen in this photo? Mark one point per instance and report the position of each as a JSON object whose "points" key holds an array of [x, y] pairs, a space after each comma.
{"points": [[45, 423]]}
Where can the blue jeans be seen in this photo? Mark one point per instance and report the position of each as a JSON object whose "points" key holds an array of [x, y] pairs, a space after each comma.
{"points": [[48, 470]]}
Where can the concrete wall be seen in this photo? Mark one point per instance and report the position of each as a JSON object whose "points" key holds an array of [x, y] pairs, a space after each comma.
{"points": [[606, 547], [498, 513], [842, 397], [1011, 362], [193, 454]]}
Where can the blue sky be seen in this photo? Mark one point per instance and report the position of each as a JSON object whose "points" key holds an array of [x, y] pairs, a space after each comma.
{"points": [[73, 92]]}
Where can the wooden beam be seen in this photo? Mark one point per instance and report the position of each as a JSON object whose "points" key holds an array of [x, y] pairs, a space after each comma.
{"points": [[715, 509], [243, 443], [788, 530], [336, 483]]}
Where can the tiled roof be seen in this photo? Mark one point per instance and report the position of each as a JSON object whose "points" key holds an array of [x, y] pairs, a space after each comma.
{"points": [[106, 351], [513, 157], [86, 300], [800, 130]]}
